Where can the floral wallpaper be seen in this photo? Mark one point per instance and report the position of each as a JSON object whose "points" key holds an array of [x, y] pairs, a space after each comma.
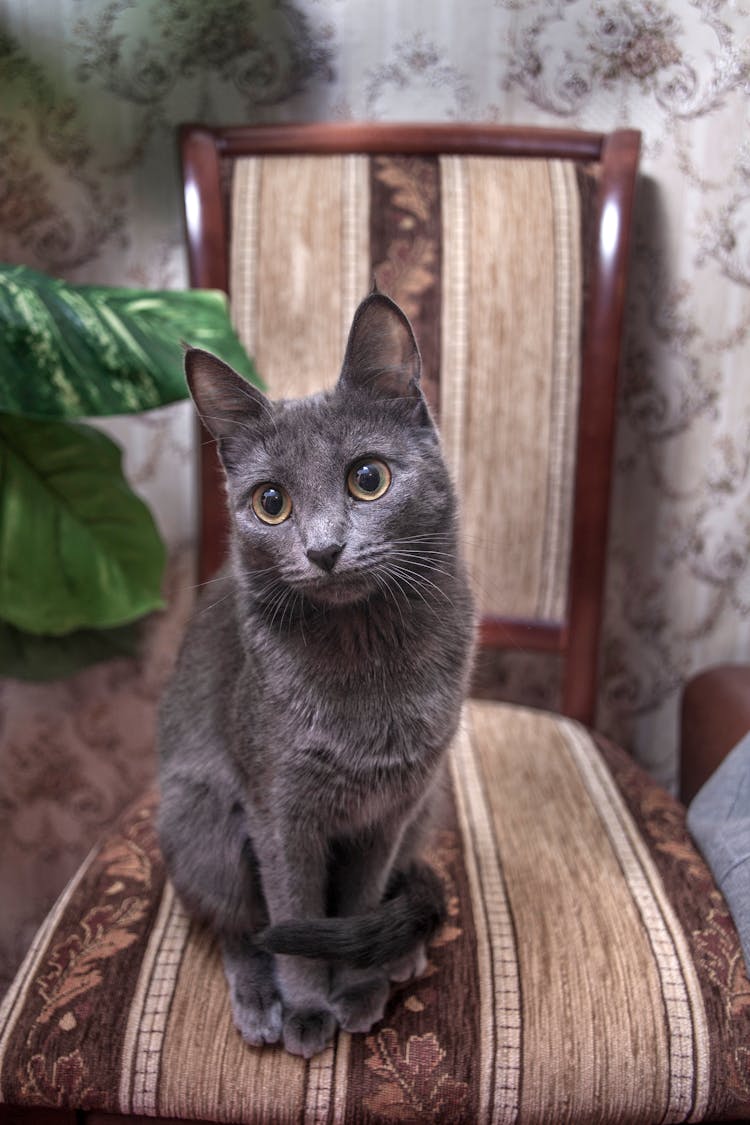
{"points": [[92, 91]]}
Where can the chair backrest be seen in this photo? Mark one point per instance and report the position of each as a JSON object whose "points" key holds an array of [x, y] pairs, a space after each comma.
{"points": [[508, 250]]}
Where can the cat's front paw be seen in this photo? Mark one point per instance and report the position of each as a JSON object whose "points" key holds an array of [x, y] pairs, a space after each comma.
{"points": [[257, 1013], [307, 1031], [359, 1006]]}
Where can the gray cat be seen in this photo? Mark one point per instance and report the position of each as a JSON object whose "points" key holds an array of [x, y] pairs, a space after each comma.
{"points": [[318, 686]]}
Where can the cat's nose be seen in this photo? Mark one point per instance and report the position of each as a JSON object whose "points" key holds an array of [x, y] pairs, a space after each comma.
{"points": [[325, 557]]}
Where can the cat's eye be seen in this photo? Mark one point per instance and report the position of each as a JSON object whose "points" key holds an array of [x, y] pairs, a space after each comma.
{"points": [[368, 479], [271, 503]]}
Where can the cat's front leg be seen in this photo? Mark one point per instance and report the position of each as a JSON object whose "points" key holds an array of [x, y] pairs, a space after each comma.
{"points": [[204, 836], [358, 996], [293, 872]]}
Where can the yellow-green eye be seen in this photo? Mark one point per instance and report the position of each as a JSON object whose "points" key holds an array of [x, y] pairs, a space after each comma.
{"points": [[368, 479], [271, 503]]}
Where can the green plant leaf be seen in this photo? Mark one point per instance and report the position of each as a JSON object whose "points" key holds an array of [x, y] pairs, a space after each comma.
{"points": [[29, 657], [69, 351], [78, 549]]}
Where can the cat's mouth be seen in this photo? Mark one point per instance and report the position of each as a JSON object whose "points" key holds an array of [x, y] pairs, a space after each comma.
{"points": [[337, 589]]}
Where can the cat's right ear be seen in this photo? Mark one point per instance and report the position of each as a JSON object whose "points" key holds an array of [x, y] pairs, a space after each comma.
{"points": [[382, 356], [226, 402]]}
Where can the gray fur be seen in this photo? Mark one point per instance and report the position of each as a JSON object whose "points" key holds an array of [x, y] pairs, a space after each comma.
{"points": [[303, 734]]}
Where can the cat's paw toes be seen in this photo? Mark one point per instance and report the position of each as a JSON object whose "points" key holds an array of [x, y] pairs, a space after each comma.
{"points": [[411, 965], [258, 1015], [307, 1031], [361, 1005]]}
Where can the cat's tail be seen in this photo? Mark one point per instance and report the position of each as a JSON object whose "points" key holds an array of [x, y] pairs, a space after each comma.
{"points": [[412, 913]]}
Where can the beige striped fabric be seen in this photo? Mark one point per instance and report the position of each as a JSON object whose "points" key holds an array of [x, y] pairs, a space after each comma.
{"points": [[168, 1008], [598, 980], [182, 1056], [299, 262], [510, 373]]}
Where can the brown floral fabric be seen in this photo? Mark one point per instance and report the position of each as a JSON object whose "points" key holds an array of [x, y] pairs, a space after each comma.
{"points": [[405, 250], [588, 970], [73, 754], [73, 1010], [413, 1068]]}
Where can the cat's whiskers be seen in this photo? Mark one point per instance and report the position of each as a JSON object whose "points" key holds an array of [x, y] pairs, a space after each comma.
{"points": [[287, 601], [387, 550], [291, 605], [419, 562], [411, 567], [206, 582], [436, 536], [279, 608], [403, 584], [275, 603], [301, 600], [223, 577], [382, 585], [464, 540], [418, 579], [479, 542], [261, 590], [284, 607], [421, 554], [205, 608], [427, 545], [386, 578], [402, 577], [412, 564], [420, 574], [423, 547]]}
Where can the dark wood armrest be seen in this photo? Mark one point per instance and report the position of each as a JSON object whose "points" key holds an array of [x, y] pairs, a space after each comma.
{"points": [[715, 716]]}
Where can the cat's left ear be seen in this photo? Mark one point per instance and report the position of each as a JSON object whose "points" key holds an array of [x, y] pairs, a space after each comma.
{"points": [[226, 402], [382, 357]]}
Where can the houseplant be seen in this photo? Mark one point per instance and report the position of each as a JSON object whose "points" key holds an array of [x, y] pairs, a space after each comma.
{"points": [[81, 559]]}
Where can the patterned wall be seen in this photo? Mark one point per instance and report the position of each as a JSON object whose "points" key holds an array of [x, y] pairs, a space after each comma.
{"points": [[92, 90]]}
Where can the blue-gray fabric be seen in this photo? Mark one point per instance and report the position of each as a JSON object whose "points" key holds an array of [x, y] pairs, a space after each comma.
{"points": [[719, 821]]}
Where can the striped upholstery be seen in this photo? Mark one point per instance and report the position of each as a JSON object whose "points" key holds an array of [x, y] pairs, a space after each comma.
{"points": [[459, 242], [577, 978]]}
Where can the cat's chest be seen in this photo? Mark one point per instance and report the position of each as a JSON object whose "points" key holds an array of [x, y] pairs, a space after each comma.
{"points": [[358, 716], [360, 713], [362, 685], [374, 719], [358, 656]]}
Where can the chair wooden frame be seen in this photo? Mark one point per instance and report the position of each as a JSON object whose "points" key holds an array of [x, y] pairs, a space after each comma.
{"points": [[614, 157]]}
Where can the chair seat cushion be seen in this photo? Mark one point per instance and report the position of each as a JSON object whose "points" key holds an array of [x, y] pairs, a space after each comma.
{"points": [[589, 969]]}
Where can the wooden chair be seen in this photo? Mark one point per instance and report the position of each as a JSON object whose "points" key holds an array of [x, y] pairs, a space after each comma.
{"points": [[589, 970]]}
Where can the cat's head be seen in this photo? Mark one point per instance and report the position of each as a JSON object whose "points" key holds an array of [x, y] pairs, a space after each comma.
{"points": [[342, 494]]}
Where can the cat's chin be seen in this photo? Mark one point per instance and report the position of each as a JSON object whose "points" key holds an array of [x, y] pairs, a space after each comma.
{"points": [[337, 593]]}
